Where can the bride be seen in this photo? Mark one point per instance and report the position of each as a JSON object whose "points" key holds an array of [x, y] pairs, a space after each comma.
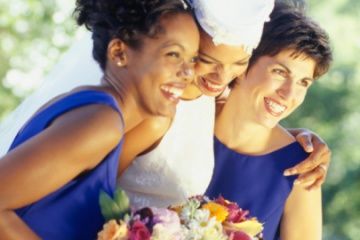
{"points": [[181, 165]]}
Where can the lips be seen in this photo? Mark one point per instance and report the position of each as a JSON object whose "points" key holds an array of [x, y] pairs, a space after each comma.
{"points": [[211, 87], [274, 107], [173, 91]]}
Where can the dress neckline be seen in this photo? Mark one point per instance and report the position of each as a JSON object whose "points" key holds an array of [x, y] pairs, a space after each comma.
{"points": [[287, 148]]}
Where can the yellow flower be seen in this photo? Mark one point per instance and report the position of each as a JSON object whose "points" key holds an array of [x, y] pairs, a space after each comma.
{"points": [[113, 231], [251, 227], [216, 210]]}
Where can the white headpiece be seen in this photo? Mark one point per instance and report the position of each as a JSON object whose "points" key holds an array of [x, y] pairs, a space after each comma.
{"points": [[233, 22]]}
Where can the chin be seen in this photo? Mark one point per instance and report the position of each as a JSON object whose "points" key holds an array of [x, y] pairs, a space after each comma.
{"points": [[268, 123], [164, 112], [210, 94]]}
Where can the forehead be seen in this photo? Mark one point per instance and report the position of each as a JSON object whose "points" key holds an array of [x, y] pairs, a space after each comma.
{"points": [[225, 54], [179, 28]]}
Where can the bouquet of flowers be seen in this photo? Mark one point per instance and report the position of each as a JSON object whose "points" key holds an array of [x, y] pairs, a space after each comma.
{"points": [[205, 219], [197, 219]]}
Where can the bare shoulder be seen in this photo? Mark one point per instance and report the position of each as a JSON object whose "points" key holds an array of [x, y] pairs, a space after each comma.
{"points": [[94, 120], [95, 130]]}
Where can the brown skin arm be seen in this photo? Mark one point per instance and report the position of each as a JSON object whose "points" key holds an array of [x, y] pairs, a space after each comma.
{"points": [[141, 139], [51, 159], [312, 171]]}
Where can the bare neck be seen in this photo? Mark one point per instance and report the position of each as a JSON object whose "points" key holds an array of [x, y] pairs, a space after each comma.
{"points": [[239, 132], [131, 111]]}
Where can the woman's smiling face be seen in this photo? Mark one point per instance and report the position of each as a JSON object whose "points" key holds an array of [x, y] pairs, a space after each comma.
{"points": [[218, 65], [275, 86], [164, 65]]}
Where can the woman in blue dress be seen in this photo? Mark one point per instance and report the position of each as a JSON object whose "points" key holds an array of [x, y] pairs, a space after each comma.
{"points": [[69, 150], [251, 148]]}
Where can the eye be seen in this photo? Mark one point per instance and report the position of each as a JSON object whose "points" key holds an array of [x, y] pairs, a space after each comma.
{"points": [[203, 60], [194, 59], [280, 72], [305, 82], [173, 54], [242, 64]]}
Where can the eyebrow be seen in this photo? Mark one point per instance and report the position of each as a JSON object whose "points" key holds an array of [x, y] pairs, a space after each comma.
{"points": [[289, 71], [242, 61], [172, 44]]}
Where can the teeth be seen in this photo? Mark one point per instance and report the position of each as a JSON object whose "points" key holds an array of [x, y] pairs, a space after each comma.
{"points": [[275, 107], [176, 92], [213, 86]]}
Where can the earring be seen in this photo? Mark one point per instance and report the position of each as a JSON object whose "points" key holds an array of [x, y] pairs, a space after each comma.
{"points": [[119, 63]]}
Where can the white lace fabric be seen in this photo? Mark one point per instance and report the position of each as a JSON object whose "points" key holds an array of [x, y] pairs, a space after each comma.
{"points": [[181, 165]]}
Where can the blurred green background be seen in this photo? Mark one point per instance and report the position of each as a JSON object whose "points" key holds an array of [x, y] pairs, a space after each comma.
{"points": [[34, 33]]}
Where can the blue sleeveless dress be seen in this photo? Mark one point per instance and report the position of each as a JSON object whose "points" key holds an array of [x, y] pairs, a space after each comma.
{"points": [[73, 211], [256, 183]]}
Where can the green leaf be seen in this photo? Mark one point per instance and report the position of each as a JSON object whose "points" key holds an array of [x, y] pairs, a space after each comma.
{"points": [[114, 209], [122, 200]]}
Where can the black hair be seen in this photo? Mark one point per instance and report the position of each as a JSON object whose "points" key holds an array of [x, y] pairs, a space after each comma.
{"points": [[290, 28], [128, 20]]}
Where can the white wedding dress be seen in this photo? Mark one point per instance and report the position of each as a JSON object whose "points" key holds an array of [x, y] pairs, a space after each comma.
{"points": [[182, 164]]}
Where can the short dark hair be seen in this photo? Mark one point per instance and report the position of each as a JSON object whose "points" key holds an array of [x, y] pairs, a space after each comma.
{"points": [[290, 28], [128, 20]]}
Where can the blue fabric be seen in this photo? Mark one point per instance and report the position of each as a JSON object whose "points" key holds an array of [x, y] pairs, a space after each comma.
{"points": [[256, 183], [73, 211]]}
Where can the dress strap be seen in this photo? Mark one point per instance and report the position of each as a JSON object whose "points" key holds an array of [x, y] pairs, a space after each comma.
{"points": [[43, 118]]}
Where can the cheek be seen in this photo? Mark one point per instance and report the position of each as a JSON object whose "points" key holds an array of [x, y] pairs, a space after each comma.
{"points": [[261, 83], [300, 97], [203, 69], [158, 70], [238, 70]]}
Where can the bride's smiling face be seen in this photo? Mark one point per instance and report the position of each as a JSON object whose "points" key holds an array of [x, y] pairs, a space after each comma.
{"points": [[218, 65]]}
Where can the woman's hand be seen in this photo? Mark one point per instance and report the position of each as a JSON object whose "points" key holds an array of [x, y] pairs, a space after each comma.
{"points": [[313, 170]]}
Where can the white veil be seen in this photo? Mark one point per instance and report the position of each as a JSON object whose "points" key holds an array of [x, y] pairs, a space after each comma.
{"points": [[75, 68]]}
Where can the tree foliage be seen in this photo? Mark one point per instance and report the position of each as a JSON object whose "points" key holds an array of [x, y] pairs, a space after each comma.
{"points": [[33, 33], [332, 110]]}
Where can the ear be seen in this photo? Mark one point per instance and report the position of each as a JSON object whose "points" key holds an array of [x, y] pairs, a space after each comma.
{"points": [[116, 52]]}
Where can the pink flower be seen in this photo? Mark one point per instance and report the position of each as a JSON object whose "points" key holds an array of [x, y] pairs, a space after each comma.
{"points": [[139, 231], [236, 214], [239, 236]]}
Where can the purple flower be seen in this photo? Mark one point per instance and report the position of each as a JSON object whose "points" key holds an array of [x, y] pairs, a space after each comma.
{"points": [[168, 225]]}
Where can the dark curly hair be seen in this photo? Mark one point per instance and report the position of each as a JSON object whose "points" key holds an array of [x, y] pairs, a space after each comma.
{"points": [[289, 28], [128, 20]]}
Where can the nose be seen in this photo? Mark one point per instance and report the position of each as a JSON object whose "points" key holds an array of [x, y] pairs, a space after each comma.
{"points": [[187, 72], [224, 74], [286, 90]]}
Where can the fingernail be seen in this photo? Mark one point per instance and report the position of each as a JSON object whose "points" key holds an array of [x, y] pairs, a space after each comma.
{"points": [[309, 149], [297, 182], [289, 172]]}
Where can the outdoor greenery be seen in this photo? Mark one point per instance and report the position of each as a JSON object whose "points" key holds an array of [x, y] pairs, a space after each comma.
{"points": [[35, 32]]}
